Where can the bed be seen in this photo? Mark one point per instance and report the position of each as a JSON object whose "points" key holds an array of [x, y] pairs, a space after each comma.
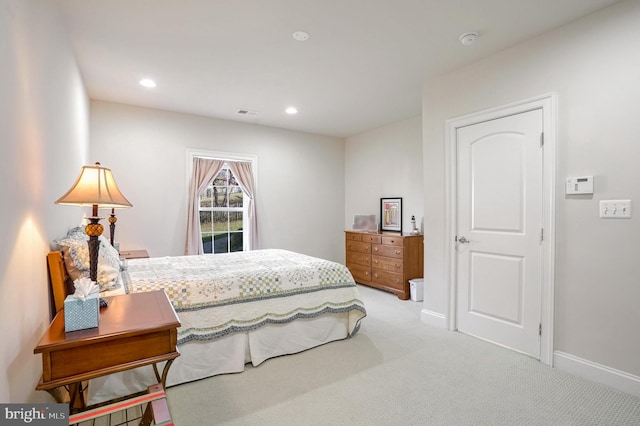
{"points": [[235, 308]]}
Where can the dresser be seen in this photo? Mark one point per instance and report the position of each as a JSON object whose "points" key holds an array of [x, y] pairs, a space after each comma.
{"points": [[385, 260]]}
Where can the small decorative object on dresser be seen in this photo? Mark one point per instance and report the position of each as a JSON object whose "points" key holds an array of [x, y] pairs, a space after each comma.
{"points": [[385, 260], [391, 214], [414, 228], [365, 222]]}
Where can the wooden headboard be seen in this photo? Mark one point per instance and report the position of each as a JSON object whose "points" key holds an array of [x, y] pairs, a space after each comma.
{"points": [[61, 284]]}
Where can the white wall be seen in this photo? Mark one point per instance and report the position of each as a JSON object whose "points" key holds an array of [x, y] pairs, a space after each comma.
{"points": [[593, 65], [43, 134], [300, 178], [385, 162]]}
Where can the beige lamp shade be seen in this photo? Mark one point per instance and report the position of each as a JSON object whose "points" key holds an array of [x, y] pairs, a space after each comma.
{"points": [[95, 186]]}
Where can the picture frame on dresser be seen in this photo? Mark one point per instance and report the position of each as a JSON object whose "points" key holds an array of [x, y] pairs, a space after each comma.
{"points": [[391, 214]]}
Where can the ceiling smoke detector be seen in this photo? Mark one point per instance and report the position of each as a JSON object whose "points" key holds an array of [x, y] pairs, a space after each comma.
{"points": [[301, 36], [468, 38]]}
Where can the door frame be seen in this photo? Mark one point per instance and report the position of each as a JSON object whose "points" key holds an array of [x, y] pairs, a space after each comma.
{"points": [[548, 104]]}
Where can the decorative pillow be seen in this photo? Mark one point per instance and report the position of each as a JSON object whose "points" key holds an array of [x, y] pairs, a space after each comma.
{"points": [[75, 251], [74, 273], [109, 252], [77, 233]]}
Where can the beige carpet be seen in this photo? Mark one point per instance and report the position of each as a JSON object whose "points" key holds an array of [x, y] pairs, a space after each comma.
{"points": [[398, 371]]}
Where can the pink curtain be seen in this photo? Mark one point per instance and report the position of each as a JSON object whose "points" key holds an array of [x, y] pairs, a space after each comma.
{"points": [[204, 171], [244, 175]]}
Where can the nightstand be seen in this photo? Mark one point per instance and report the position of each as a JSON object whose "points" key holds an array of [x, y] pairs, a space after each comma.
{"points": [[134, 254], [135, 330]]}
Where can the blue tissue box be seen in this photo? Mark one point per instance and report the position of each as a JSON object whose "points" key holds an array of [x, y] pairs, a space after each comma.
{"points": [[80, 314]]}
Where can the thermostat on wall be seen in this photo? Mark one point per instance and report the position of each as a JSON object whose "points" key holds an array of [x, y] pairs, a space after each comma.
{"points": [[579, 185]]}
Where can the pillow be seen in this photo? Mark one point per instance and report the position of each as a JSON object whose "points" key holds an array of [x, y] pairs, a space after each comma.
{"points": [[109, 252], [70, 266], [77, 233], [75, 250]]}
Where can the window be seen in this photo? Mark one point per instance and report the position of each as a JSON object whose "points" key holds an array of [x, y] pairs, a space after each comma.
{"points": [[221, 206], [222, 214]]}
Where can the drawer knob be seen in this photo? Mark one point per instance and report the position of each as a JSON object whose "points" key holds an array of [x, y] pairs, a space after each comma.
{"points": [[397, 251]]}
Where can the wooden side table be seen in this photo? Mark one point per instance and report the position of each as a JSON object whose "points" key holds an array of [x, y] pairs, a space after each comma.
{"points": [[134, 254], [135, 330]]}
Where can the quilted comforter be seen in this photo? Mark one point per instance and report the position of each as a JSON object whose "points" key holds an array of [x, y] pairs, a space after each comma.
{"points": [[215, 295]]}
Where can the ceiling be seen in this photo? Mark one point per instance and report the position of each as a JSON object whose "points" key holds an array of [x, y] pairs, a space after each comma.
{"points": [[362, 66]]}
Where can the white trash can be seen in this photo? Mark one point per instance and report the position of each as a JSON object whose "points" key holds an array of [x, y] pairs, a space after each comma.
{"points": [[416, 288]]}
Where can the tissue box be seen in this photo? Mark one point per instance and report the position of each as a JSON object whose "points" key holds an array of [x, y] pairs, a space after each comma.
{"points": [[80, 314]]}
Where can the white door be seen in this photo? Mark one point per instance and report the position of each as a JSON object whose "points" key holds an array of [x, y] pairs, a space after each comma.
{"points": [[499, 225]]}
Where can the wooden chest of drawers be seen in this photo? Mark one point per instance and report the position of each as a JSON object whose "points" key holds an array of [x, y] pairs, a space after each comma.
{"points": [[386, 261]]}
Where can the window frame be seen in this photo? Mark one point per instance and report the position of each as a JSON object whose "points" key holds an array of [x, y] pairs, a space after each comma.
{"points": [[226, 156]]}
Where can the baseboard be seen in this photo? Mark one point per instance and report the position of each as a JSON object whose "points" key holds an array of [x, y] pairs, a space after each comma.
{"points": [[434, 319], [597, 373]]}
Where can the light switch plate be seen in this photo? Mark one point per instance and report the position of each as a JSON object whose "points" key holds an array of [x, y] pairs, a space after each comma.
{"points": [[615, 209]]}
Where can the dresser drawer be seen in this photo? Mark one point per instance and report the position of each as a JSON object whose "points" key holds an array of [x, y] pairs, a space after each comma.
{"points": [[357, 258], [388, 251], [387, 263], [360, 273], [359, 247], [390, 279], [392, 241], [369, 238], [352, 236]]}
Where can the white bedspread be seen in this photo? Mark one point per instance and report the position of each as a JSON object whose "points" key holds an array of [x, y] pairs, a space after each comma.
{"points": [[216, 295]]}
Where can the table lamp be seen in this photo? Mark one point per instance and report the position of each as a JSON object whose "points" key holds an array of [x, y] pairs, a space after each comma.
{"points": [[112, 226], [94, 187]]}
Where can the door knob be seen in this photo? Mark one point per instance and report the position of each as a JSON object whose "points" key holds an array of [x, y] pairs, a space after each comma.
{"points": [[463, 240]]}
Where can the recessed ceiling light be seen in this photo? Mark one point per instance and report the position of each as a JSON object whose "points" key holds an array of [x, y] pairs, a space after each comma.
{"points": [[291, 110], [301, 36], [147, 82]]}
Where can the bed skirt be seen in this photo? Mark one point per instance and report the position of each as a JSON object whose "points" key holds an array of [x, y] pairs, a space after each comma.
{"points": [[229, 354]]}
